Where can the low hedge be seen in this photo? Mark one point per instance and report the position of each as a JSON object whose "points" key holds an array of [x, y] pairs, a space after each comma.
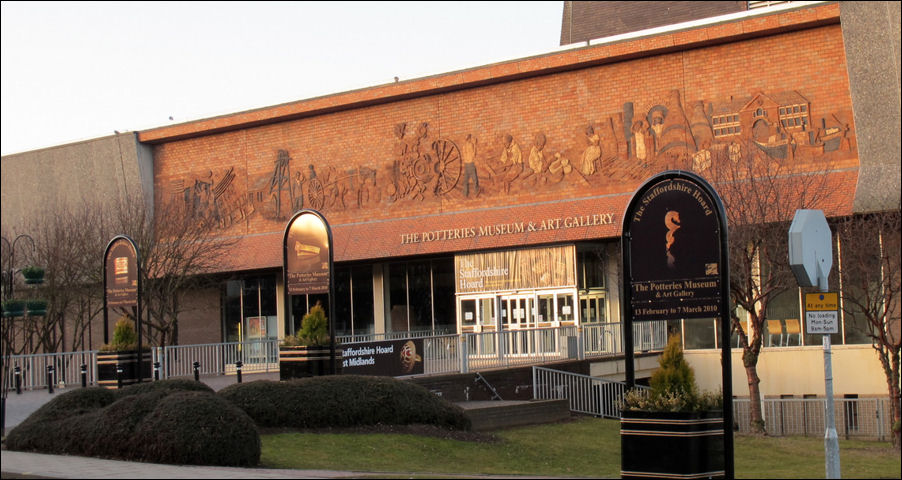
{"points": [[170, 421], [343, 401]]}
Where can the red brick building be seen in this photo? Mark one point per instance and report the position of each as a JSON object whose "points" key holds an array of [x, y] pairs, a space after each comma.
{"points": [[533, 153], [531, 160]]}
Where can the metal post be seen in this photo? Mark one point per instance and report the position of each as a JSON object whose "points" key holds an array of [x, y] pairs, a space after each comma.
{"points": [[196, 371], [463, 353], [831, 442], [50, 379], [118, 376], [18, 375], [156, 371], [238, 366], [84, 375]]}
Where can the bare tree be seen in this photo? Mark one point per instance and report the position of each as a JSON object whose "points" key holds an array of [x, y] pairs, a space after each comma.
{"points": [[871, 278], [761, 192], [69, 244], [178, 249]]}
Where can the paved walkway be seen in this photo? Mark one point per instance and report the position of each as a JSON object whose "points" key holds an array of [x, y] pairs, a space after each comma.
{"points": [[36, 465]]}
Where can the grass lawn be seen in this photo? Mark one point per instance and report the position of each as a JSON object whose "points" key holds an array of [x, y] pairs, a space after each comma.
{"points": [[587, 447]]}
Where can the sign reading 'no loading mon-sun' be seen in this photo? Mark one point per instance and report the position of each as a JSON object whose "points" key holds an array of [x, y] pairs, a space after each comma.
{"points": [[821, 313]]}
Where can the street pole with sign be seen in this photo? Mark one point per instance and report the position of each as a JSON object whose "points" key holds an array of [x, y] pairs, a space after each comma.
{"points": [[811, 258]]}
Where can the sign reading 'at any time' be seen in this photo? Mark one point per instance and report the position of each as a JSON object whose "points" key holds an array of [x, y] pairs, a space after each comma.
{"points": [[821, 313], [674, 253]]}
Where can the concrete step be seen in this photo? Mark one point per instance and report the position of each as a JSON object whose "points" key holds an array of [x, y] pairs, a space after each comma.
{"points": [[492, 415]]}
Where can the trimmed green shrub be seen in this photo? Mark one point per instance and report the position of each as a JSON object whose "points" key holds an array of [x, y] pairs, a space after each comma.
{"points": [[198, 428], [124, 337], [169, 385], [673, 387], [314, 330], [170, 421], [343, 401], [674, 376]]}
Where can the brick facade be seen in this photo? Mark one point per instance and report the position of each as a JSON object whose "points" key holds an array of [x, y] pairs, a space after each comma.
{"points": [[387, 165]]}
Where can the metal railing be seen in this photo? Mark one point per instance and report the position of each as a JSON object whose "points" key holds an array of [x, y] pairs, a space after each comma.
{"points": [[600, 339], [588, 395], [855, 417], [442, 353], [519, 347], [218, 358], [66, 366], [376, 337]]}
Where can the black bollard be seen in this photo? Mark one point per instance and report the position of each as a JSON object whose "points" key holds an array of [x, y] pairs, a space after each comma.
{"points": [[50, 379], [238, 366], [84, 375], [118, 376], [196, 371], [18, 371], [156, 371]]}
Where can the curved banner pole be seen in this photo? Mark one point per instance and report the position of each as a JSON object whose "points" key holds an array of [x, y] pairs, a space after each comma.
{"points": [[122, 284], [307, 265], [676, 266]]}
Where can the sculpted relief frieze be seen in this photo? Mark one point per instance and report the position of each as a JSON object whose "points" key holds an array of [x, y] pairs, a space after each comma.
{"points": [[624, 147]]}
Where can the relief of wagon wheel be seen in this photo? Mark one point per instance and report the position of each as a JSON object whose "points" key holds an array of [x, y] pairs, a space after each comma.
{"points": [[448, 165], [315, 196]]}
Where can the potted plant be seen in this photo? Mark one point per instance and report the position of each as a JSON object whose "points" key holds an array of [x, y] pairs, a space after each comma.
{"points": [[672, 430], [122, 354], [33, 274], [13, 308], [36, 307], [306, 353]]}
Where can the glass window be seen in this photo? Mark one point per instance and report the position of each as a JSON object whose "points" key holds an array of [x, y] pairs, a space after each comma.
{"points": [[362, 317], [468, 312], [698, 333], [249, 298], [343, 305], [419, 278], [590, 267], [545, 309], [397, 297], [231, 310], [443, 294], [566, 311]]}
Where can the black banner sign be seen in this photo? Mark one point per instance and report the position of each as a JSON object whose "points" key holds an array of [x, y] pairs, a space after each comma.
{"points": [[393, 358], [121, 270], [307, 255], [675, 261]]}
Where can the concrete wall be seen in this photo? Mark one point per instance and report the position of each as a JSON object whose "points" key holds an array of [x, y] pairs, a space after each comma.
{"points": [[871, 33], [796, 371], [106, 170], [588, 20]]}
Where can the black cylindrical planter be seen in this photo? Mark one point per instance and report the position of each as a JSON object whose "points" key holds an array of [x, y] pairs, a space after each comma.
{"points": [[300, 361], [128, 361], [671, 444]]}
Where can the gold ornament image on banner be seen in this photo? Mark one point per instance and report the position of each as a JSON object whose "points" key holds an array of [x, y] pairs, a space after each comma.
{"points": [[672, 222], [409, 357]]}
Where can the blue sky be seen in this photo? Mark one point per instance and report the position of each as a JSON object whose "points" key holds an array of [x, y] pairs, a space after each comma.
{"points": [[75, 71]]}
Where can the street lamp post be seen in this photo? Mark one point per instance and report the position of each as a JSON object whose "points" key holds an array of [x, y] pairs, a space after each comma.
{"points": [[8, 284]]}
